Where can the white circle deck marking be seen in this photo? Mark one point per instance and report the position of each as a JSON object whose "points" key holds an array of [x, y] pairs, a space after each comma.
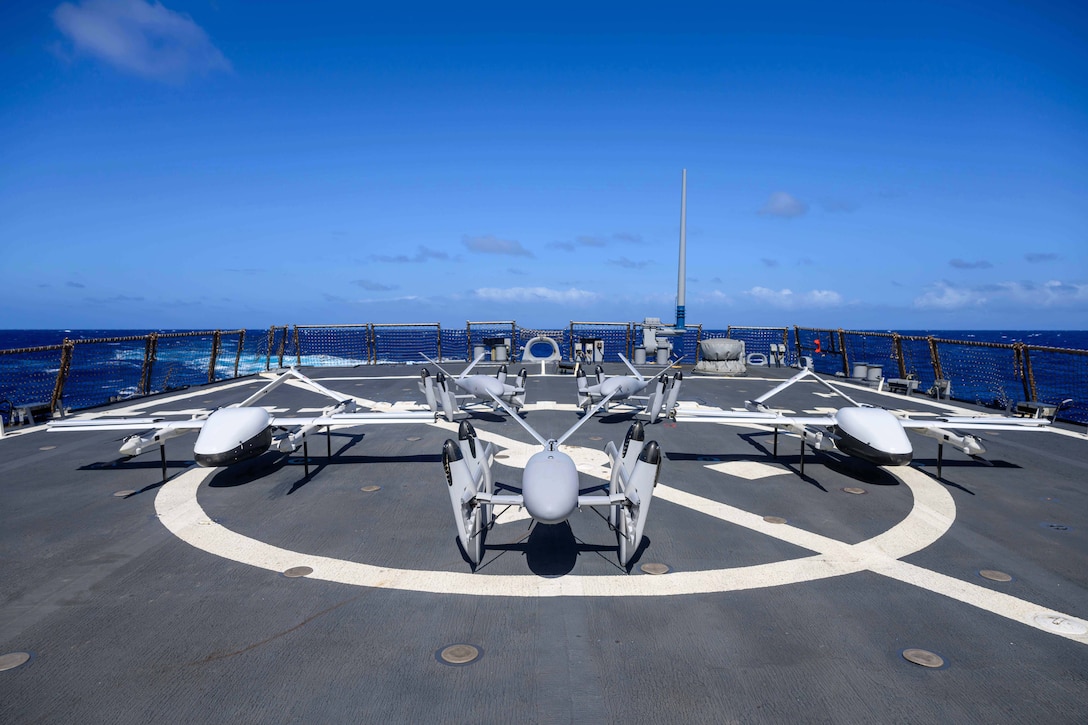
{"points": [[930, 518]]}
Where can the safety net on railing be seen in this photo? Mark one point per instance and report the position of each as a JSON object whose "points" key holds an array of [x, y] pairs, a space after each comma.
{"points": [[406, 343], [87, 372], [604, 341], [497, 341], [1060, 377], [332, 345], [27, 379], [771, 342]]}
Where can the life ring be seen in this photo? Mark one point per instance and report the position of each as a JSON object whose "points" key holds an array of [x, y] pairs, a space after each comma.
{"points": [[527, 350], [757, 359]]}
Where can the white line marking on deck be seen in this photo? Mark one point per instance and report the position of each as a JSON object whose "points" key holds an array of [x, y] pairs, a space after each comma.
{"points": [[933, 512]]}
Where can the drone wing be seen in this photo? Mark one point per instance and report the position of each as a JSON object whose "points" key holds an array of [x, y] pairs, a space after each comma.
{"points": [[631, 367], [733, 417], [540, 438], [126, 424], [347, 420], [975, 422]]}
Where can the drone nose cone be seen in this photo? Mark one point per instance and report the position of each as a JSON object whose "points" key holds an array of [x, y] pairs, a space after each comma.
{"points": [[231, 435], [550, 487], [873, 434], [465, 431]]}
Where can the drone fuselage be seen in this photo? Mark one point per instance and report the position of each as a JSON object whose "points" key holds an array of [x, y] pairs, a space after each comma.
{"points": [[549, 486], [484, 386], [231, 435], [624, 386], [872, 434]]}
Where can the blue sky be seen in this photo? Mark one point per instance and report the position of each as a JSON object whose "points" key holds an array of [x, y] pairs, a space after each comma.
{"points": [[858, 165]]}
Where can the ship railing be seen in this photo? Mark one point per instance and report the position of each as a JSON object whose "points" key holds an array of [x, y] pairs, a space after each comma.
{"points": [[36, 382], [1008, 376]]}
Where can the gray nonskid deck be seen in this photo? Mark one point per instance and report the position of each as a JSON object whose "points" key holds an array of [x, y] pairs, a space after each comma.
{"points": [[127, 622]]}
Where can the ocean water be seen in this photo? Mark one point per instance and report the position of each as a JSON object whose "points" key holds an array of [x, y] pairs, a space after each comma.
{"points": [[106, 371]]}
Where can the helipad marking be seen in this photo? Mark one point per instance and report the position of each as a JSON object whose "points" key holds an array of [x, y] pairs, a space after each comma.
{"points": [[931, 516], [751, 470]]}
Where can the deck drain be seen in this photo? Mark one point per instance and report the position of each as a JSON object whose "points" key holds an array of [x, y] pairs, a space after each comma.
{"points": [[46, 448], [458, 655], [774, 519], [371, 488], [854, 490], [13, 659], [994, 575], [414, 438], [501, 456], [297, 571], [1060, 625], [923, 657], [1055, 526], [654, 568], [123, 494]]}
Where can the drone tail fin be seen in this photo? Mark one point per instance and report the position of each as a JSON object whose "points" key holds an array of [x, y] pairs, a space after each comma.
{"points": [[637, 487], [426, 386], [673, 394], [518, 400], [657, 398], [468, 474], [583, 389], [463, 486], [450, 408]]}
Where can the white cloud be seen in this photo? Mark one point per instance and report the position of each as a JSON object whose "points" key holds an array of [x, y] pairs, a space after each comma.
{"points": [[139, 37], [490, 244], [943, 295], [787, 299], [715, 297], [535, 294], [781, 204]]}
